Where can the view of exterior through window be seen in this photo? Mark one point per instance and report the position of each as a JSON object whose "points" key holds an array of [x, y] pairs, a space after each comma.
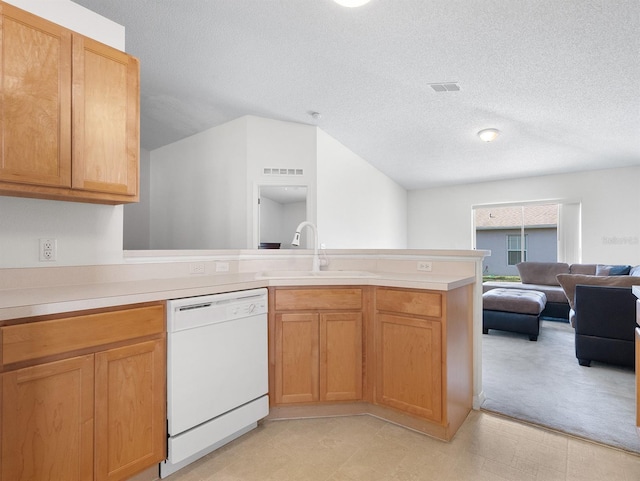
{"points": [[515, 252], [516, 233]]}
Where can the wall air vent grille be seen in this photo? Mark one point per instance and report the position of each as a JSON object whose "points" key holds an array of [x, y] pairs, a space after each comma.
{"points": [[279, 171], [445, 87]]}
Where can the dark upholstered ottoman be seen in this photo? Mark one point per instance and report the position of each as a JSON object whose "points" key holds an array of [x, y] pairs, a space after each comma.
{"points": [[515, 310]]}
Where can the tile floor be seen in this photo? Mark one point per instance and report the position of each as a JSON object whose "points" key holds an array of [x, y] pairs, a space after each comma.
{"points": [[487, 447]]}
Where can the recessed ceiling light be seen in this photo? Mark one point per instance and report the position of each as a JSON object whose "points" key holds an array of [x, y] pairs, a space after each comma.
{"points": [[488, 135], [351, 3]]}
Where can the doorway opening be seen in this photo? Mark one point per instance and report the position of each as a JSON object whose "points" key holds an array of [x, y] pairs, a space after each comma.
{"points": [[280, 209]]}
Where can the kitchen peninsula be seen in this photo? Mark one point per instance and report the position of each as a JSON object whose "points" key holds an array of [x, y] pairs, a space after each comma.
{"points": [[343, 342]]}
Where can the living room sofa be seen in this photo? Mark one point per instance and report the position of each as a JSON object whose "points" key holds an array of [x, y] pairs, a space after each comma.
{"points": [[605, 324], [542, 277], [602, 311], [595, 298]]}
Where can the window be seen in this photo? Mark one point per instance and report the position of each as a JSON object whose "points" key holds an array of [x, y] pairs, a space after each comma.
{"points": [[515, 250], [542, 232]]}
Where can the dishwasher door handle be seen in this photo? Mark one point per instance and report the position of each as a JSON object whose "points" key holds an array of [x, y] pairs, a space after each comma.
{"points": [[195, 306]]}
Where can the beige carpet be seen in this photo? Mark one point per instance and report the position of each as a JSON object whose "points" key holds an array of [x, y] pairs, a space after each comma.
{"points": [[541, 382]]}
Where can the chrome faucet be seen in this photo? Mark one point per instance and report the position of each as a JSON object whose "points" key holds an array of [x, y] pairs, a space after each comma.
{"points": [[315, 266]]}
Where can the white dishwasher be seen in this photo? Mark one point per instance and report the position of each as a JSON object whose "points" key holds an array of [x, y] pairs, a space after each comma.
{"points": [[217, 372]]}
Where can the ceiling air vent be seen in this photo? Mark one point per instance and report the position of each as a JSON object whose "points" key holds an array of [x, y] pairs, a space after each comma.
{"points": [[445, 87], [280, 171]]}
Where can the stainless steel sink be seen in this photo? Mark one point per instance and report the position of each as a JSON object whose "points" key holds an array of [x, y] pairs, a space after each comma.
{"points": [[310, 274]]}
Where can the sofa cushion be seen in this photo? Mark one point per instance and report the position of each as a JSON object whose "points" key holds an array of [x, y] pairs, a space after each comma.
{"points": [[541, 272], [587, 269], [608, 270], [570, 281]]}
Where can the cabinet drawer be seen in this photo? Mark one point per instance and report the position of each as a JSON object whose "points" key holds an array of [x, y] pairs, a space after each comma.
{"points": [[303, 299], [424, 303], [22, 342]]}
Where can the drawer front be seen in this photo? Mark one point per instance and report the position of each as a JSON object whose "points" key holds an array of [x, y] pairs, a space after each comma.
{"points": [[318, 299], [417, 303], [22, 342]]}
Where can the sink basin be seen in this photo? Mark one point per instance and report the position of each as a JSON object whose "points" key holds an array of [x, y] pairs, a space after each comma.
{"points": [[309, 274]]}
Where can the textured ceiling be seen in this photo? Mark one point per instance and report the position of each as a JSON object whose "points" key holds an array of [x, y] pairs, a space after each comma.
{"points": [[558, 78]]}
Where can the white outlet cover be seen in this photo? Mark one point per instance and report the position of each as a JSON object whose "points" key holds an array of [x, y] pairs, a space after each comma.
{"points": [[48, 251]]}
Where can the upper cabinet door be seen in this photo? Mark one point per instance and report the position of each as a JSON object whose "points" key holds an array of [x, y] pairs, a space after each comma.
{"points": [[35, 103], [106, 103]]}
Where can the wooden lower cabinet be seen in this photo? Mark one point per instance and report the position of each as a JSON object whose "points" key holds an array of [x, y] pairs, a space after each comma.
{"points": [[297, 345], [423, 347], [47, 421], [401, 354], [341, 356], [316, 353], [95, 411], [130, 409], [409, 373]]}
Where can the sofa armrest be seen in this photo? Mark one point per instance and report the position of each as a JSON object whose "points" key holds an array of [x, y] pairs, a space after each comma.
{"points": [[605, 312]]}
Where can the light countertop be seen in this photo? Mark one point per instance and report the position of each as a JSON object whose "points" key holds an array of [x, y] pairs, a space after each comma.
{"points": [[39, 301]]}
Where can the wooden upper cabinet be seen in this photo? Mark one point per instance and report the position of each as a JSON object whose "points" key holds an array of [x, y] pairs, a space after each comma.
{"points": [[35, 71], [69, 115], [106, 96]]}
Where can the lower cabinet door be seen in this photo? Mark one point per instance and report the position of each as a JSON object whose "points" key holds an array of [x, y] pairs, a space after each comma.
{"points": [[47, 421], [296, 371], [409, 374], [341, 356], [130, 409]]}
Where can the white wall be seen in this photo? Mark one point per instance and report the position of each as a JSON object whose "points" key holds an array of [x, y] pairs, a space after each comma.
{"points": [[283, 145], [294, 213], [441, 218], [137, 216], [86, 233], [198, 190], [204, 188], [271, 215], [358, 206], [278, 222]]}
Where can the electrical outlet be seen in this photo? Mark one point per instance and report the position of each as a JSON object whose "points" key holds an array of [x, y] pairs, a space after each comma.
{"points": [[196, 268], [48, 250], [222, 267], [424, 266]]}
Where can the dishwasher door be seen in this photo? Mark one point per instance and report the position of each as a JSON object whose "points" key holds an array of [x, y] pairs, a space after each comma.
{"points": [[214, 369], [217, 356]]}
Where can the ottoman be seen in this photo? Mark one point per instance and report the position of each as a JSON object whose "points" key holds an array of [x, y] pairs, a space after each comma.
{"points": [[515, 310]]}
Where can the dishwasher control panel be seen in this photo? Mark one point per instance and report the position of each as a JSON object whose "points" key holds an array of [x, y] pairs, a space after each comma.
{"points": [[199, 311]]}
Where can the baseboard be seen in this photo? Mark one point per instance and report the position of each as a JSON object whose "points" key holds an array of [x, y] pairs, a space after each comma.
{"points": [[478, 400]]}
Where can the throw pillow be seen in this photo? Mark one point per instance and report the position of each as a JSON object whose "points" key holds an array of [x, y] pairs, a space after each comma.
{"points": [[635, 271], [570, 281], [606, 270]]}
